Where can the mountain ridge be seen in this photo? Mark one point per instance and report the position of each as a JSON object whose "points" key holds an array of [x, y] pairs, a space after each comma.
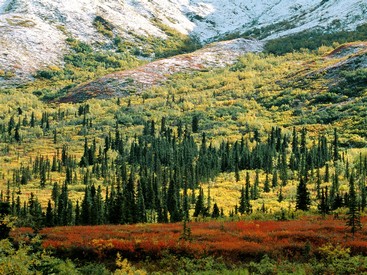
{"points": [[34, 32]]}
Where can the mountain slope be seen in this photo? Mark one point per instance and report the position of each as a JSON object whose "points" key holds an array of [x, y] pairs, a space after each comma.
{"points": [[215, 55], [33, 32]]}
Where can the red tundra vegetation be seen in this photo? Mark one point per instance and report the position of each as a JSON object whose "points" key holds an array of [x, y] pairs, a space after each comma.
{"points": [[232, 240]]}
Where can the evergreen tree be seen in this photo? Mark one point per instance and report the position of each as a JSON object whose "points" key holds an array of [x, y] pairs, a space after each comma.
{"points": [[4, 211], [129, 207], [318, 183], [274, 181], [199, 206], [85, 215], [327, 174], [215, 213], [195, 124], [247, 194], [173, 203], [11, 125], [280, 195], [55, 136], [33, 120], [267, 184], [237, 173], [77, 214], [363, 197], [336, 146], [256, 185], [324, 203], [97, 209], [17, 134], [242, 207], [354, 218], [303, 201], [186, 207], [49, 222], [141, 212]]}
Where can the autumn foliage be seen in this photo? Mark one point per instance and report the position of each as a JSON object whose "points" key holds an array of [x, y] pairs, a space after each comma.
{"points": [[232, 240]]}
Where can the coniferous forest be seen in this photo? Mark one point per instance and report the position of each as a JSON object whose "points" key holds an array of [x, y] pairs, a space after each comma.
{"points": [[159, 177]]}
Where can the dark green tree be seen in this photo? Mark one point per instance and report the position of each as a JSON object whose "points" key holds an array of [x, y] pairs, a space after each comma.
{"points": [[85, 215], [140, 204], [280, 195], [274, 180], [237, 173], [303, 200], [77, 214], [199, 206], [267, 184], [173, 202], [4, 211], [243, 203], [49, 222], [323, 206], [335, 146], [215, 213], [354, 217], [195, 124]]}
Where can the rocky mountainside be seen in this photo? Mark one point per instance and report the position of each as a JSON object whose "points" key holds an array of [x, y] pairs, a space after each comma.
{"points": [[33, 33]]}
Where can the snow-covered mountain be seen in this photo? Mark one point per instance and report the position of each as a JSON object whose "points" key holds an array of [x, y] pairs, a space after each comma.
{"points": [[33, 32]]}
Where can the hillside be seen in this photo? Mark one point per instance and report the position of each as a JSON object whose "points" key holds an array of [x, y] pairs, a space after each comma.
{"points": [[319, 91], [136, 81], [328, 71], [34, 33]]}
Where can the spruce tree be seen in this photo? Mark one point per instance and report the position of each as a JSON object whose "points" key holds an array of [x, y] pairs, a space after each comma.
{"points": [[140, 204], [199, 206], [33, 120], [85, 215], [354, 218], [129, 207], [267, 184], [247, 194], [363, 197], [195, 124], [336, 146], [237, 173], [49, 222], [327, 173], [186, 207], [77, 214], [303, 200], [256, 185], [215, 213], [324, 203], [274, 181], [242, 207], [4, 211], [318, 183], [173, 202], [17, 134]]}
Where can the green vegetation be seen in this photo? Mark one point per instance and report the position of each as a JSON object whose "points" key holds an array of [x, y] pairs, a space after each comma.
{"points": [[103, 26], [30, 258], [312, 40]]}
